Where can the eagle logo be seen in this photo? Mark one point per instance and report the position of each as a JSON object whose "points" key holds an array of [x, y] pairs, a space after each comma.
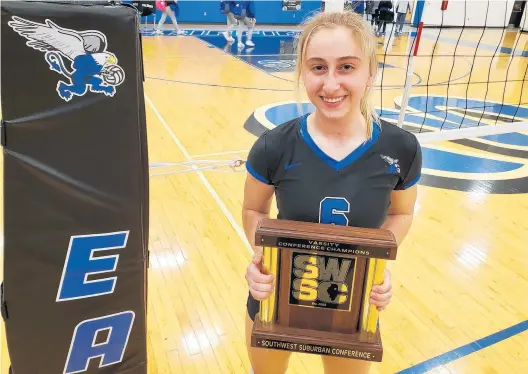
{"points": [[392, 164], [91, 65]]}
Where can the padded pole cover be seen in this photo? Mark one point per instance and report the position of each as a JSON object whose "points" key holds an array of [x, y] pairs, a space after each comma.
{"points": [[75, 188]]}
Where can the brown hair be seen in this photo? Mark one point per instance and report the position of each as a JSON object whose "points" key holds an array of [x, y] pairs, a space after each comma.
{"points": [[364, 35]]}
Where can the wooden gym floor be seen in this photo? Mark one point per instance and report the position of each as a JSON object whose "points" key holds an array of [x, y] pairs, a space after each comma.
{"points": [[461, 276]]}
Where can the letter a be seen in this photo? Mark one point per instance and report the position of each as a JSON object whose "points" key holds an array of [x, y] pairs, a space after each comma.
{"points": [[83, 347]]}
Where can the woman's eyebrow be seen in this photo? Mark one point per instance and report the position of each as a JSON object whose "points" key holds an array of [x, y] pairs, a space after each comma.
{"points": [[339, 59]]}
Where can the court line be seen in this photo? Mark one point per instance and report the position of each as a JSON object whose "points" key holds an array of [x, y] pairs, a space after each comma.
{"points": [[219, 85], [220, 153], [467, 349], [202, 177]]}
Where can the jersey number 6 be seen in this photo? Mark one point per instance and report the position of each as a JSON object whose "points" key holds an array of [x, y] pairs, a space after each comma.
{"points": [[332, 211]]}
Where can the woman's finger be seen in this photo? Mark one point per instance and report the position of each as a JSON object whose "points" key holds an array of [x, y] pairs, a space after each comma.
{"points": [[378, 303], [257, 295], [381, 296], [386, 286], [253, 272], [260, 287]]}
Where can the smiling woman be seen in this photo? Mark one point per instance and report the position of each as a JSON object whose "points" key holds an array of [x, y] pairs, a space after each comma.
{"points": [[337, 165], [347, 48]]}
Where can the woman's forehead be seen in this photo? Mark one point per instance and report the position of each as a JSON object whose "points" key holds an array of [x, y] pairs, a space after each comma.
{"points": [[333, 43]]}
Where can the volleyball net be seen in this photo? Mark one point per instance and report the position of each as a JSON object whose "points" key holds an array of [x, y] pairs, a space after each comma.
{"points": [[466, 65], [450, 71]]}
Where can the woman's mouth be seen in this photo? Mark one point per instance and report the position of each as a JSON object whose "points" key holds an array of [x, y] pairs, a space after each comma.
{"points": [[333, 102]]}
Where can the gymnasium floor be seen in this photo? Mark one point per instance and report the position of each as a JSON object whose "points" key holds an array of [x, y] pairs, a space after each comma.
{"points": [[207, 100], [460, 280]]}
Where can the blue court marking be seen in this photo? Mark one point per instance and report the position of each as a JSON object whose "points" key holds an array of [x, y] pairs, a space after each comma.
{"points": [[467, 349], [457, 163], [219, 85], [432, 158], [286, 112], [510, 139], [430, 104]]}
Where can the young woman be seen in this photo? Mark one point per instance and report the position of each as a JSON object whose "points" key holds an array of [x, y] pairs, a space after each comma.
{"points": [[337, 165], [385, 15], [170, 9], [245, 14], [227, 8]]}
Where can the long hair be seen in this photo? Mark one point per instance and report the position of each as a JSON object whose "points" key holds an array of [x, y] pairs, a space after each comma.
{"points": [[362, 33]]}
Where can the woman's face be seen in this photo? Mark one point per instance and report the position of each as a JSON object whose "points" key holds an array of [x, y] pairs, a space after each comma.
{"points": [[335, 72]]}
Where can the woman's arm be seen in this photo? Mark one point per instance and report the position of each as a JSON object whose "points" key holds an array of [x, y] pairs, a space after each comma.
{"points": [[257, 204], [401, 212], [398, 221]]}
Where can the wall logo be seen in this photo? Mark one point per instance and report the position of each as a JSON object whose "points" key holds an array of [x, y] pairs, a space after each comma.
{"points": [[501, 169], [92, 66]]}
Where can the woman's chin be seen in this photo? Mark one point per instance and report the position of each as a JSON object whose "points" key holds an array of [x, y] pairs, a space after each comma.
{"points": [[334, 113]]}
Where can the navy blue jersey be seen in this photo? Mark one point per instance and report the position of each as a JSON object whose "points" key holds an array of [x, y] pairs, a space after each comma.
{"points": [[311, 186]]}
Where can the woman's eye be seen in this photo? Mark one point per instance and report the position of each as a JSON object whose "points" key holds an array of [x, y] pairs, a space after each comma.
{"points": [[348, 67], [318, 68]]}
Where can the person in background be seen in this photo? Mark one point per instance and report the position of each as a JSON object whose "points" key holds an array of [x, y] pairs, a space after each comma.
{"points": [[385, 15], [401, 12], [171, 9], [245, 15], [358, 6], [372, 9], [227, 7]]}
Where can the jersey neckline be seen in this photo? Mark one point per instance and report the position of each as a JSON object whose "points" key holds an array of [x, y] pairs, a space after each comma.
{"points": [[333, 163]]}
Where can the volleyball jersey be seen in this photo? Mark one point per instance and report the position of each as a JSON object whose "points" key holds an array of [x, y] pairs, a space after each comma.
{"points": [[311, 186], [237, 7]]}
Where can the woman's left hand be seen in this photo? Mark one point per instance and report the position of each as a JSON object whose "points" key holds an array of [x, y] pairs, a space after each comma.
{"points": [[381, 294]]}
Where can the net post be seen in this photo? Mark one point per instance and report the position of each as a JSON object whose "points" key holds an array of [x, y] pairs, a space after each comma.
{"points": [[408, 78]]}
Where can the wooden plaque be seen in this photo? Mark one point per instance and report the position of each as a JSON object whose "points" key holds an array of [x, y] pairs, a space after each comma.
{"points": [[324, 274]]}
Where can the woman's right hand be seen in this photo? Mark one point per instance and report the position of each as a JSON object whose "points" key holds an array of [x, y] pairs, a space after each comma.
{"points": [[260, 285]]}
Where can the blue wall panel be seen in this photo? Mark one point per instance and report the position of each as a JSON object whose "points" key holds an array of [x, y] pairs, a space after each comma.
{"points": [[267, 12]]}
